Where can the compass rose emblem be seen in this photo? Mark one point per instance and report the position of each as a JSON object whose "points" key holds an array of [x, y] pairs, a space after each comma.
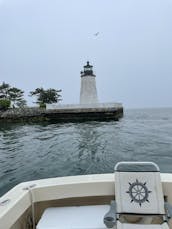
{"points": [[138, 192]]}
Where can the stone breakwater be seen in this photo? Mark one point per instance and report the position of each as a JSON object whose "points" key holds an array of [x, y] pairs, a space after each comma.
{"points": [[62, 114], [21, 114]]}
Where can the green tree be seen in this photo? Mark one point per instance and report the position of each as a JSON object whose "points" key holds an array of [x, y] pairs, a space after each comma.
{"points": [[13, 94], [4, 88], [4, 104], [22, 103], [16, 97], [48, 96], [4, 96]]}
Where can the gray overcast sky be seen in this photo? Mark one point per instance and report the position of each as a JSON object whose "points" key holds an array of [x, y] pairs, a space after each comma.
{"points": [[46, 43]]}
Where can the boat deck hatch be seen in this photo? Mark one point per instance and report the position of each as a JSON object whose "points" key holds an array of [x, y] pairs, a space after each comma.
{"points": [[80, 217]]}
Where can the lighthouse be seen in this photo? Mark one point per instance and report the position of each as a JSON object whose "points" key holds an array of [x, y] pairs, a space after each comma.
{"points": [[89, 108], [88, 91]]}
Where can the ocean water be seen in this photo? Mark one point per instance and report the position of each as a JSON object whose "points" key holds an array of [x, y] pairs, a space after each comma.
{"points": [[29, 152]]}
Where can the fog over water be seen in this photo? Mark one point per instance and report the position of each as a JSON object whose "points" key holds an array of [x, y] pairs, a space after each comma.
{"points": [[46, 43]]}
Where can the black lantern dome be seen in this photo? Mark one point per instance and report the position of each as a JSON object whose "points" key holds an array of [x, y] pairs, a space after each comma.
{"points": [[88, 70]]}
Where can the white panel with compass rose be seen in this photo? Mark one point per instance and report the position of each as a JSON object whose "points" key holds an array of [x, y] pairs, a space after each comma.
{"points": [[139, 192]]}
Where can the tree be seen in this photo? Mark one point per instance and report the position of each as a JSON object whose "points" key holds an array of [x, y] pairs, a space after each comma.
{"points": [[16, 97], [48, 96], [4, 88], [22, 103], [12, 94], [4, 104], [4, 96]]}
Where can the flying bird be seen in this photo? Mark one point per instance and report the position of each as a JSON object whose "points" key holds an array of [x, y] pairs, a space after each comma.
{"points": [[96, 34]]}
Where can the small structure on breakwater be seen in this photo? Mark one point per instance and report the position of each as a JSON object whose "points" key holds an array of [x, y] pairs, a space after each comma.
{"points": [[88, 109]]}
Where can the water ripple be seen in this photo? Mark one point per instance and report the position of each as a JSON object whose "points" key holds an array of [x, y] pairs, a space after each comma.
{"points": [[29, 152]]}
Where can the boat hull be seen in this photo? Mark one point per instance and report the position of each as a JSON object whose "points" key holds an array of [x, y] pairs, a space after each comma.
{"points": [[63, 191]]}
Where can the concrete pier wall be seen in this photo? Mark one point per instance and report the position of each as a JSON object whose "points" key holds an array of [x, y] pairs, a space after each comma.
{"points": [[80, 106], [66, 113]]}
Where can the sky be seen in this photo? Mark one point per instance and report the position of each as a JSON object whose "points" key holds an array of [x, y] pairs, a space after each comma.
{"points": [[45, 43]]}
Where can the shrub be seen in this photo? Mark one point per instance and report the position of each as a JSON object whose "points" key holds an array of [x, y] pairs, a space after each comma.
{"points": [[4, 104]]}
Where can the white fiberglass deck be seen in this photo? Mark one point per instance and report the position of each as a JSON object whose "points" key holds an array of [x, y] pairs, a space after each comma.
{"points": [[84, 217]]}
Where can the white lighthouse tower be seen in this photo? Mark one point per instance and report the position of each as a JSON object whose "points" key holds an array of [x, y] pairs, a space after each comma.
{"points": [[88, 91]]}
